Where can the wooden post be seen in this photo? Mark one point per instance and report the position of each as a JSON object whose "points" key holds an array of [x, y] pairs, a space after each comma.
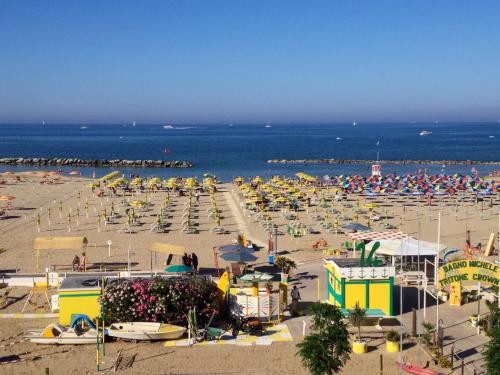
{"points": [[462, 366], [452, 356], [414, 322], [381, 365]]}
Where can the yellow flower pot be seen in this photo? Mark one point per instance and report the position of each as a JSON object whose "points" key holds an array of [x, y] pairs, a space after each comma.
{"points": [[359, 347], [392, 346]]}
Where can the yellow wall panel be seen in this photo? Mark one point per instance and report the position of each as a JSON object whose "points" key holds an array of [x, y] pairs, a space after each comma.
{"points": [[379, 296], [355, 293]]}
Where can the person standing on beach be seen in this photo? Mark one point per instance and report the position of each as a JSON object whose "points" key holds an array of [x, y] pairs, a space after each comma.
{"points": [[197, 196], [295, 294], [83, 263], [194, 262]]}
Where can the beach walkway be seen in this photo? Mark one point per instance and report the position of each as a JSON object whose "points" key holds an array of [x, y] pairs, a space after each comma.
{"points": [[239, 218]]}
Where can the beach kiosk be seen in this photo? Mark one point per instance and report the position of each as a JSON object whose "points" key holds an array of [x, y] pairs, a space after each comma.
{"points": [[79, 295], [351, 281]]}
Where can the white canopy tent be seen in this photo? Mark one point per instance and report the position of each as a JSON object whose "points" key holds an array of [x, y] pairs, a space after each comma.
{"points": [[409, 247]]}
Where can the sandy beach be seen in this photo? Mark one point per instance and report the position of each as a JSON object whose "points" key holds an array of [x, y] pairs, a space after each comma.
{"points": [[67, 207]]}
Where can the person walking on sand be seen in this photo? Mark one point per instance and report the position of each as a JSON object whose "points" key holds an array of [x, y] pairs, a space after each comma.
{"points": [[295, 294], [194, 262]]}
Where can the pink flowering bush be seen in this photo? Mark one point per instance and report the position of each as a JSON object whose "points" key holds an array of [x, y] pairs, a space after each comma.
{"points": [[159, 300]]}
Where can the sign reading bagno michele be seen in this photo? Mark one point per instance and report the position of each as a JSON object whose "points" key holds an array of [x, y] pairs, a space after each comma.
{"points": [[469, 270]]}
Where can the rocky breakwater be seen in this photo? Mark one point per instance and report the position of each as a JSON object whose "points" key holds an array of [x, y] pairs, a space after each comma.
{"points": [[401, 162], [74, 162]]}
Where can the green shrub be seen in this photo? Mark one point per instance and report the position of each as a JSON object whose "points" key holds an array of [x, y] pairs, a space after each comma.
{"points": [[327, 348], [159, 300]]}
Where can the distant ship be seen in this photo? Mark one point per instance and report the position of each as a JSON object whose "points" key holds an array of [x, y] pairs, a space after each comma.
{"points": [[339, 138], [133, 123], [268, 126], [425, 132], [354, 123], [491, 136], [168, 127], [84, 127]]}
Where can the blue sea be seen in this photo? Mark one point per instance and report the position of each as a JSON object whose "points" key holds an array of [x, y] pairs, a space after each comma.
{"points": [[229, 150]]}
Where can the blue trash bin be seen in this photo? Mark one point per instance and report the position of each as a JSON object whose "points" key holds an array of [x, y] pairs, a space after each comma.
{"points": [[270, 259]]}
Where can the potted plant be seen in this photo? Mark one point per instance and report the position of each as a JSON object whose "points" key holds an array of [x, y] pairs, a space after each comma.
{"points": [[357, 317], [285, 265], [392, 341]]}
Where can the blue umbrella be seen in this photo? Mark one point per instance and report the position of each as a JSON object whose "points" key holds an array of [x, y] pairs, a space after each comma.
{"points": [[355, 227], [232, 248], [239, 256]]}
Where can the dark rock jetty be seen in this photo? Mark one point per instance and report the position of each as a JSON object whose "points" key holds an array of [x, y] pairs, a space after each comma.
{"points": [[74, 162], [402, 162]]}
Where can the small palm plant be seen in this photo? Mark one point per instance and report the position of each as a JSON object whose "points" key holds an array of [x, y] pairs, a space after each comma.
{"points": [[284, 264], [427, 336], [357, 317], [392, 336]]}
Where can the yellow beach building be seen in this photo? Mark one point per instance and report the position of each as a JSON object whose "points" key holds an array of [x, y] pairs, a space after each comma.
{"points": [[349, 283]]}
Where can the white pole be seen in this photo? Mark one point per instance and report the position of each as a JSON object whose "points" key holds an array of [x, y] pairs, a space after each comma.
{"points": [[425, 290], [401, 307], [436, 265], [418, 277]]}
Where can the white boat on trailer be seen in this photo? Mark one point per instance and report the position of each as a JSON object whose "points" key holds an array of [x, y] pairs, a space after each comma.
{"points": [[145, 331]]}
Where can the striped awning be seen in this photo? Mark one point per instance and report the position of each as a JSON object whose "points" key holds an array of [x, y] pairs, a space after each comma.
{"points": [[378, 236]]}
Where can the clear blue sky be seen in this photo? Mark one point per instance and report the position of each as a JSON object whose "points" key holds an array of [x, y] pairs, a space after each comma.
{"points": [[249, 61]]}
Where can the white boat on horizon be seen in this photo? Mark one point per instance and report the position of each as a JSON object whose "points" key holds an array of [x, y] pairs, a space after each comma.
{"points": [[425, 132], [145, 331], [339, 139], [168, 127], [84, 127]]}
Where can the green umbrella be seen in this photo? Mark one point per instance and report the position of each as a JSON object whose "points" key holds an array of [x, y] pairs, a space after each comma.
{"points": [[178, 268]]}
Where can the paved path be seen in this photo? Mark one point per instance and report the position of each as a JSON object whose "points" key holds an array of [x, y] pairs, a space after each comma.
{"points": [[240, 220]]}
